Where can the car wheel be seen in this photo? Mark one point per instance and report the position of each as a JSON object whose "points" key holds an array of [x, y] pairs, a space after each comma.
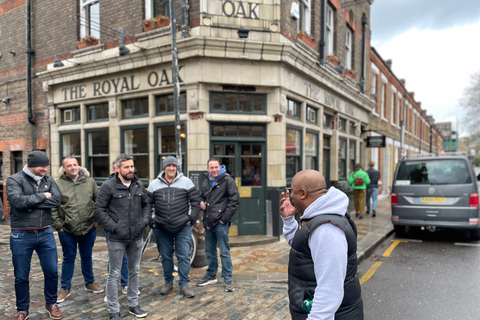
{"points": [[400, 231], [475, 234]]}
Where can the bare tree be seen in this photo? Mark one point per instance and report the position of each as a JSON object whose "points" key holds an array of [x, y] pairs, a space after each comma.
{"points": [[470, 103]]}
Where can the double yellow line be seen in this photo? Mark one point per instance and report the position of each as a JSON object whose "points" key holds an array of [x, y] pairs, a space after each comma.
{"points": [[375, 266]]}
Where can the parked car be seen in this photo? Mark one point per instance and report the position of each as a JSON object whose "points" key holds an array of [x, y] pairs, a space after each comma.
{"points": [[435, 192]]}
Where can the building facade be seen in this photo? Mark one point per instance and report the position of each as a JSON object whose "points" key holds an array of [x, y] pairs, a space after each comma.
{"points": [[257, 88]]}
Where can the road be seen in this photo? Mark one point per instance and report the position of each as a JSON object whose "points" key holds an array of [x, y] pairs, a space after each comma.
{"points": [[428, 276]]}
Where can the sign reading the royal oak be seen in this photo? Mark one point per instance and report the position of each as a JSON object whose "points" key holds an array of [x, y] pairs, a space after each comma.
{"points": [[241, 9], [116, 85]]}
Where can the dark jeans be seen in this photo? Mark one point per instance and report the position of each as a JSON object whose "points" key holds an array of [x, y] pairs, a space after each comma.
{"points": [[124, 271], [85, 244], [181, 243], [22, 245], [218, 235]]}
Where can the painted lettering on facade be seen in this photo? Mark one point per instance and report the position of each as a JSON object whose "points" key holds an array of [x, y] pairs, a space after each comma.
{"points": [[312, 91], [332, 101], [118, 85], [241, 9]]}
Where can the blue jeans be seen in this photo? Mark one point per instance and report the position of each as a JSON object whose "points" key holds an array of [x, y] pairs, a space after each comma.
{"points": [[373, 192], [181, 243], [219, 235], [116, 250], [124, 272], [22, 245], [85, 244]]}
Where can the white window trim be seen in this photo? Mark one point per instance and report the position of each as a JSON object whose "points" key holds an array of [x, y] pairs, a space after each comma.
{"points": [[394, 91], [375, 72], [83, 16], [399, 96], [383, 98], [330, 17], [307, 17], [348, 49]]}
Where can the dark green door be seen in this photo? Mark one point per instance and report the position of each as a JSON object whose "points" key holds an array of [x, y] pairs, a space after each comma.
{"points": [[245, 162]]}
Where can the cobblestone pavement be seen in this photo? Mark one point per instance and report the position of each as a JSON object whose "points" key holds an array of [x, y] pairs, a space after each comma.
{"points": [[259, 279]]}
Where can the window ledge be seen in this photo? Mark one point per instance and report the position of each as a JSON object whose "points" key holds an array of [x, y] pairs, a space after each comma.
{"points": [[384, 119]]}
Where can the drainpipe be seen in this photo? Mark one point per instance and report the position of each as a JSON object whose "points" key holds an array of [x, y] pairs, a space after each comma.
{"points": [[29, 64], [364, 40], [184, 6], [323, 32]]}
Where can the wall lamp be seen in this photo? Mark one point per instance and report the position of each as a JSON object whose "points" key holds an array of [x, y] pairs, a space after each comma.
{"points": [[6, 100], [58, 63], [243, 33], [339, 69]]}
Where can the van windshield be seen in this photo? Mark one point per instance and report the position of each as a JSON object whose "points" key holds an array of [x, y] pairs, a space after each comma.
{"points": [[453, 171]]}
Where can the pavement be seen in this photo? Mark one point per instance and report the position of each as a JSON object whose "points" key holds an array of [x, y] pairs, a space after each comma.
{"points": [[260, 267]]}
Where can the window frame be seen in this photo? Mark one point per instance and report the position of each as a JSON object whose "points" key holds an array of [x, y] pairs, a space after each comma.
{"points": [[342, 165], [88, 156], [315, 156], [298, 155], [143, 114], [85, 27], [76, 156], [147, 154], [166, 96], [348, 49], [253, 96], [304, 23], [150, 10], [294, 114], [158, 149], [330, 22], [87, 109]]}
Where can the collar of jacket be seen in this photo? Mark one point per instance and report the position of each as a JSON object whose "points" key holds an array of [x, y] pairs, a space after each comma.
{"points": [[120, 183]]}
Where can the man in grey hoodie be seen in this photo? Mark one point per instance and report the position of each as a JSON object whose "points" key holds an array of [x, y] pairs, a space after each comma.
{"points": [[322, 279]]}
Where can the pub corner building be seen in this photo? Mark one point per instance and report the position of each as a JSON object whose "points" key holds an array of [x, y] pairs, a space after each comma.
{"points": [[253, 92]]}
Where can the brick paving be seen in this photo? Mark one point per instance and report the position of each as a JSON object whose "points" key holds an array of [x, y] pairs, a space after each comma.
{"points": [[259, 278]]}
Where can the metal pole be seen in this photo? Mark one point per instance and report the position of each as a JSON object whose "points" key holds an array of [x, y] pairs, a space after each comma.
{"points": [[364, 53], [176, 85], [323, 43]]}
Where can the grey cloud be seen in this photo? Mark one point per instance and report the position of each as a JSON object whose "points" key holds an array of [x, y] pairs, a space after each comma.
{"points": [[390, 18]]}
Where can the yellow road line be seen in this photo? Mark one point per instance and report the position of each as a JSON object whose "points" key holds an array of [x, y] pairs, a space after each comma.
{"points": [[370, 272], [392, 246]]}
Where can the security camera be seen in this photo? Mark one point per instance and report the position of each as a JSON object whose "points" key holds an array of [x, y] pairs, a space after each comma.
{"points": [[6, 100]]}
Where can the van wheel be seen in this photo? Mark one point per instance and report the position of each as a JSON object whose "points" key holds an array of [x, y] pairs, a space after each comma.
{"points": [[400, 231], [475, 234]]}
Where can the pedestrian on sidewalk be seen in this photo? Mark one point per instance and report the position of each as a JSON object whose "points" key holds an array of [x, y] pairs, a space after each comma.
{"points": [[75, 222], [123, 208], [219, 195], [176, 205], [359, 180], [32, 195], [372, 188], [124, 270], [322, 268]]}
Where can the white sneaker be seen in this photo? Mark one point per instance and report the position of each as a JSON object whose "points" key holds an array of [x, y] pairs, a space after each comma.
{"points": [[105, 299], [125, 290]]}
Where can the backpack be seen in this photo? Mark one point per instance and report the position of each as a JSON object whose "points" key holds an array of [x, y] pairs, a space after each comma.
{"points": [[358, 182]]}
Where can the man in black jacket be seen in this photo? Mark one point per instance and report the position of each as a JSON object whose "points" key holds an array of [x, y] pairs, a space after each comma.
{"points": [[32, 195], [220, 202], [123, 208]]}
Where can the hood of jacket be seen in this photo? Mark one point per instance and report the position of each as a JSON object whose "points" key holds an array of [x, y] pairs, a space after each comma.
{"points": [[333, 202], [81, 171]]}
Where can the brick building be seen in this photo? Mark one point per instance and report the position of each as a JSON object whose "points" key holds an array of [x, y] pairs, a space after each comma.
{"points": [[258, 89]]}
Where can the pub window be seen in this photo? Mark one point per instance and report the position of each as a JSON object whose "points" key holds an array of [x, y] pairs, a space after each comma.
{"points": [[294, 109], [167, 144], [135, 143], [164, 104], [90, 18], [311, 151], [342, 125], [311, 115], [293, 153], [237, 102], [304, 22], [326, 159], [135, 108], [342, 158], [327, 121], [71, 115], [352, 128], [352, 152], [98, 154], [97, 112], [221, 130], [71, 146], [155, 7], [17, 161], [251, 158], [330, 23]]}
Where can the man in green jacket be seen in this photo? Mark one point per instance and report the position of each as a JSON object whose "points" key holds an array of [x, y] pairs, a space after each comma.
{"points": [[359, 180], [75, 222]]}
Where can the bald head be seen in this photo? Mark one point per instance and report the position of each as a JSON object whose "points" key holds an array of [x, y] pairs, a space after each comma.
{"points": [[307, 186]]}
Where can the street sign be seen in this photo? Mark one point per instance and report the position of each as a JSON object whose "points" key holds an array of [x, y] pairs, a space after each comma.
{"points": [[376, 142]]}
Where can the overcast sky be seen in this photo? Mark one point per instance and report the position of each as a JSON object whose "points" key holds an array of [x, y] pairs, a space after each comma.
{"points": [[434, 46]]}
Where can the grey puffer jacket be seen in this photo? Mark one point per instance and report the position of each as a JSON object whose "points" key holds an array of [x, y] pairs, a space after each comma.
{"points": [[30, 208], [221, 200], [123, 212]]}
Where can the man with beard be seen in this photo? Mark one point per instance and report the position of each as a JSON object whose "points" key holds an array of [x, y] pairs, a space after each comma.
{"points": [[123, 208], [322, 267]]}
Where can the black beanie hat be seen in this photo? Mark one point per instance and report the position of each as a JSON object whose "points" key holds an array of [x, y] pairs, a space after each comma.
{"points": [[168, 161], [37, 158]]}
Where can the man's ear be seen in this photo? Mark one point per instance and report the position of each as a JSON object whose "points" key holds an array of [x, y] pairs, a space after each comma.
{"points": [[303, 194]]}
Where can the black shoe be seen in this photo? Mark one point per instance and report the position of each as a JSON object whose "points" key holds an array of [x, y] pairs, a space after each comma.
{"points": [[357, 214], [360, 216], [374, 214], [137, 311], [368, 212], [114, 316]]}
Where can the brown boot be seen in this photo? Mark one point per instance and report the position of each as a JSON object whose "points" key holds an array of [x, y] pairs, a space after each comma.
{"points": [[54, 312], [22, 315]]}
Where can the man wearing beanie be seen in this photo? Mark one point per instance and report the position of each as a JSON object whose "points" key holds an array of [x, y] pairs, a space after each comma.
{"points": [[176, 204], [32, 195]]}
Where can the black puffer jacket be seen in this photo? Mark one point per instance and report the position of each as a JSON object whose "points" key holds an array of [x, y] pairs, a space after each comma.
{"points": [[30, 208], [124, 212], [174, 205], [221, 200]]}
